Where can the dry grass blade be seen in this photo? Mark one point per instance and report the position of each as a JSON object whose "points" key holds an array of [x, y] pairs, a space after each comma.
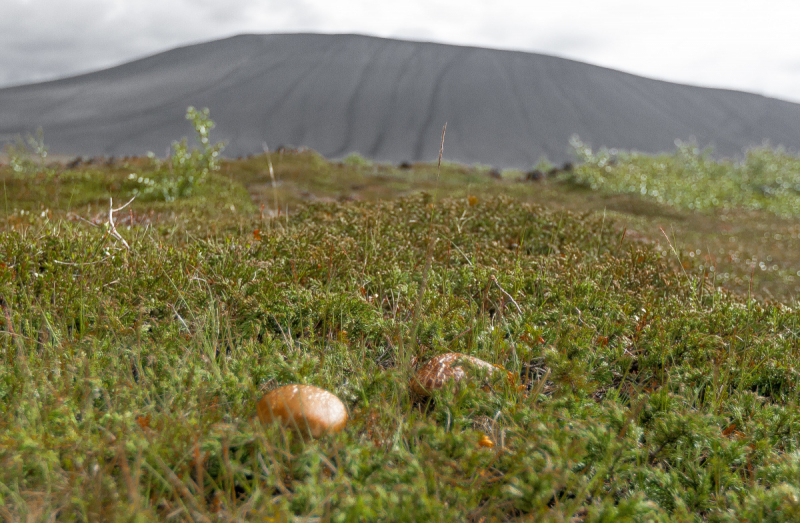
{"points": [[429, 254], [272, 178], [112, 229], [441, 150], [180, 488]]}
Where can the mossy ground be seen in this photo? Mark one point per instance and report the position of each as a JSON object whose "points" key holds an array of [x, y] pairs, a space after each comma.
{"points": [[647, 387]]}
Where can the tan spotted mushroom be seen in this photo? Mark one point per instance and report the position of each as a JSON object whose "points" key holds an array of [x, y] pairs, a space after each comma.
{"points": [[445, 367], [305, 409]]}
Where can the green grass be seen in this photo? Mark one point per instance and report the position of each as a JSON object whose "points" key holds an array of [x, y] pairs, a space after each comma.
{"points": [[651, 388], [766, 178]]}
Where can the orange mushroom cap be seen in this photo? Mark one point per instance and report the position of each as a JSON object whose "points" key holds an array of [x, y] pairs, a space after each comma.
{"points": [[486, 442], [308, 410]]}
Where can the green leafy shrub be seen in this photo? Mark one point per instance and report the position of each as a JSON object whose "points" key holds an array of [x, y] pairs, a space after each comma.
{"points": [[186, 168], [356, 160], [691, 178], [27, 157]]}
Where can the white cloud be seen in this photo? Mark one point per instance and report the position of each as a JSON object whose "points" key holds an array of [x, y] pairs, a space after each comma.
{"points": [[736, 44]]}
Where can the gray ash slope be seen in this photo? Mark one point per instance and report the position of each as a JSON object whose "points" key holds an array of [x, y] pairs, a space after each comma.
{"points": [[386, 99]]}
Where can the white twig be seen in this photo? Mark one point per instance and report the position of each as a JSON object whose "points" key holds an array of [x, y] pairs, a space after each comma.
{"points": [[80, 264], [507, 294], [112, 229], [129, 202], [179, 318]]}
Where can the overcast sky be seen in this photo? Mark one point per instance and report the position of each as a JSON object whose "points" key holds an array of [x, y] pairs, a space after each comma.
{"points": [[745, 45]]}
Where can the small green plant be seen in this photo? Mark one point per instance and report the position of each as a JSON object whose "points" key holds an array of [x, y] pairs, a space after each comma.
{"points": [[691, 178], [543, 165], [27, 157], [356, 160], [186, 168]]}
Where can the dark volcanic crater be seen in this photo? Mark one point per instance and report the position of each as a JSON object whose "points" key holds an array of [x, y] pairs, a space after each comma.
{"points": [[386, 99]]}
